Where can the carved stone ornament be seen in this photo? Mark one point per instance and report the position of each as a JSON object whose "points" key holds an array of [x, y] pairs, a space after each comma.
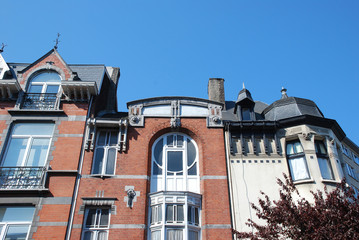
{"points": [[307, 136]]}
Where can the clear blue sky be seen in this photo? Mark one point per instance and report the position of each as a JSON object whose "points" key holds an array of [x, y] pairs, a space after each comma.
{"points": [[171, 48]]}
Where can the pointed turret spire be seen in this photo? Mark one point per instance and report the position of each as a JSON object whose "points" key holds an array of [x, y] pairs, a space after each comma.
{"points": [[244, 87], [284, 93], [57, 41]]}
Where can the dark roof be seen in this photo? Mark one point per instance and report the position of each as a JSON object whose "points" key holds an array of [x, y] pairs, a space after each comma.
{"points": [[244, 95], [229, 115], [291, 107]]}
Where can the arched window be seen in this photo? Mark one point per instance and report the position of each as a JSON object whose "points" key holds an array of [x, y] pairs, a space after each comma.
{"points": [[45, 82], [175, 164]]}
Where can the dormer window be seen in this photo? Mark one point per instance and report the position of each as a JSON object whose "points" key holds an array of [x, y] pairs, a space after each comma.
{"points": [[245, 114], [42, 92]]}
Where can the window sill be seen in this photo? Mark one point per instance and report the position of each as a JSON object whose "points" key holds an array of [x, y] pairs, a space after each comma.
{"points": [[101, 176], [35, 112], [305, 181], [333, 181]]}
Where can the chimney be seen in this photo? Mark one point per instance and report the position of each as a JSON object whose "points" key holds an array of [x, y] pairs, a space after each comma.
{"points": [[216, 90]]}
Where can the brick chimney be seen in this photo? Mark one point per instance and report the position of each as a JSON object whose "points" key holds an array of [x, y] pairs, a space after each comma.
{"points": [[216, 90]]}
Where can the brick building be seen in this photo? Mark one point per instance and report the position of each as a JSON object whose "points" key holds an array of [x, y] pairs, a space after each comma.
{"points": [[73, 167]]}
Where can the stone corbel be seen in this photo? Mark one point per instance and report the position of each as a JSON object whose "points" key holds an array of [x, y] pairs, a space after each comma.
{"points": [[135, 116], [214, 118], [307, 135]]}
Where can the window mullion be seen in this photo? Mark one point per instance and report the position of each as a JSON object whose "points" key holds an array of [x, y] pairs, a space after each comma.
{"points": [[27, 151]]}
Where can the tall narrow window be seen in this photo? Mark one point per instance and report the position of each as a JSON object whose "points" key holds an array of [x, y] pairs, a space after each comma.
{"points": [[175, 164], [25, 155], [351, 171], [245, 114], [15, 222], [96, 224], [105, 153], [323, 160], [296, 161]]}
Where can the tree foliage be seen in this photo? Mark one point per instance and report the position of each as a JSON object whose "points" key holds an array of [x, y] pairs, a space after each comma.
{"points": [[332, 215]]}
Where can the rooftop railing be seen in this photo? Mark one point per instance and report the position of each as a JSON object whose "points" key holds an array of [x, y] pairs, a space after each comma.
{"points": [[22, 177]]}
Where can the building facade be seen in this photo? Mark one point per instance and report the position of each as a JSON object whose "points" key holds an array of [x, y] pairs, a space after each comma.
{"points": [[73, 167]]}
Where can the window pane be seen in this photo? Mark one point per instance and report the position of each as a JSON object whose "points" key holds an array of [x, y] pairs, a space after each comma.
{"points": [[91, 218], [113, 138], [98, 160], [179, 141], [16, 214], [52, 89], [169, 213], [325, 168], [193, 235], [158, 152], [17, 232], [290, 149], [298, 147], [174, 161], [47, 77], [189, 214], [180, 216], [153, 215], [33, 129], [159, 208], [298, 168], [196, 216], [191, 153], [246, 114], [156, 235], [111, 159], [104, 217], [101, 141], [174, 234], [102, 235], [193, 170], [156, 169], [170, 140], [35, 88], [38, 152], [15, 153], [88, 235]]}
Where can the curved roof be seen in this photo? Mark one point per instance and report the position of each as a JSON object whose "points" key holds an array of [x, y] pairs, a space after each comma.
{"points": [[291, 107]]}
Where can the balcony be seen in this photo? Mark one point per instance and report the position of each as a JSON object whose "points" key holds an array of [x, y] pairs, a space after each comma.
{"points": [[40, 101], [22, 178]]}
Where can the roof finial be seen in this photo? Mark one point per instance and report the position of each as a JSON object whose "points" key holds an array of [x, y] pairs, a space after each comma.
{"points": [[244, 87], [2, 47], [284, 93], [57, 40]]}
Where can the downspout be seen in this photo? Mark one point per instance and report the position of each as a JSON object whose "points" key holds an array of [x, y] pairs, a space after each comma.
{"points": [[229, 173], [78, 178]]}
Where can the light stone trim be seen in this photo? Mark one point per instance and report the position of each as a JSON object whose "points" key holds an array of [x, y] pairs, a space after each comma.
{"points": [[213, 177], [145, 177], [127, 226], [57, 200], [216, 226], [51, 224]]}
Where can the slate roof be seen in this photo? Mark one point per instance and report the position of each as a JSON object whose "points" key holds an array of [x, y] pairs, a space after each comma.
{"points": [[86, 73]]}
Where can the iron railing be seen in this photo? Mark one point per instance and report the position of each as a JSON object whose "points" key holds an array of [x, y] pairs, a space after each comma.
{"points": [[40, 101], [22, 177]]}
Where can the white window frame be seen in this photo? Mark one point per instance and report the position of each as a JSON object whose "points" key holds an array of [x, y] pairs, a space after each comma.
{"points": [[30, 139], [6, 224], [351, 171], [175, 182], [162, 200], [106, 147], [44, 84], [97, 229], [327, 166], [297, 159]]}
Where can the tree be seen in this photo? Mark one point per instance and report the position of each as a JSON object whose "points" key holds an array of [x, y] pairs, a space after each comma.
{"points": [[332, 215]]}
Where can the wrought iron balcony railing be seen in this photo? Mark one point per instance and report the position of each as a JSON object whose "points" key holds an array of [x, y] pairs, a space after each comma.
{"points": [[40, 101], [22, 177]]}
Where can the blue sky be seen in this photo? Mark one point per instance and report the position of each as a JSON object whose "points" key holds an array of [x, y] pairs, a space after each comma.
{"points": [[172, 48]]}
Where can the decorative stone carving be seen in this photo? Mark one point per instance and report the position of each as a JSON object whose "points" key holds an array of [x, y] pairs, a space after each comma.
{"points": [[135, 116], [307, 135], [175, 121], [131, 196], [214, 118]]}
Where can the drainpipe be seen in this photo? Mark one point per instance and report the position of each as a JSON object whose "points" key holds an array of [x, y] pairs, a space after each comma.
{"points": [[78, 178]]}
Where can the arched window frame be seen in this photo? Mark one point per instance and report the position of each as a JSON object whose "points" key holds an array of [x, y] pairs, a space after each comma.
{"points": [[167, 180], [44, 84]]}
